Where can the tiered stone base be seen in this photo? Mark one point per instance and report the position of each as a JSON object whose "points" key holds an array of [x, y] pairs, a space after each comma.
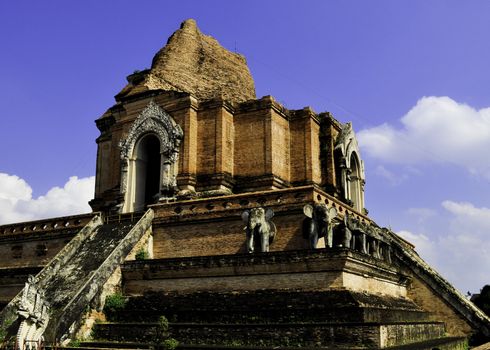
{"points": [[336, 309]]}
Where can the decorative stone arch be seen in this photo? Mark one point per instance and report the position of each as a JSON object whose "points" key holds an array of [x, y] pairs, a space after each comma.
{"points": [[350, 167], [355, 182], [153, 121]]}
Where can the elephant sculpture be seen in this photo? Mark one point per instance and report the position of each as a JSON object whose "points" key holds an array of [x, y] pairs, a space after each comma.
{"points": [[346, 241], [318, 223], [357, 234], [259, 227]]}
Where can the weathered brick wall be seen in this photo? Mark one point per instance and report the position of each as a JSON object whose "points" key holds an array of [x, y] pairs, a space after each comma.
{"points": [[274, 335], [298, 270], [267, 306], [12, 280], [32, 252], [280, 143], [214, 226], [431, 301], [305, 148], [252, 143], [207, 138], [223, 236], [300, 144], [35, 243], [251, 146], [226, 158], [187, 119]]}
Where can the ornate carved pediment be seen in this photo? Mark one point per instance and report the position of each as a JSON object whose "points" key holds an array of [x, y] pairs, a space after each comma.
{"points": [[347, 143], [153, 119]]}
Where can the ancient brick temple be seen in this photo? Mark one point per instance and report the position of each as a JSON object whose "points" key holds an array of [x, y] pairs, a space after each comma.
{"points": [[239, 220]]}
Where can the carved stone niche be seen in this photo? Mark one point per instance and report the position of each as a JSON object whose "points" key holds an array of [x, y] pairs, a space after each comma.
{"points": [[351, 168], [152, 128]]}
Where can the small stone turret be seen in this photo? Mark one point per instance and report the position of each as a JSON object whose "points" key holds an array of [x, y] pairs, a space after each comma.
{"points": [[195, 63]]}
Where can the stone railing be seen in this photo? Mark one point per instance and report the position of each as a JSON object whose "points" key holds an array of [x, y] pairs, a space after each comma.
{"points": [[128, 217], [47, 225], [343, 208], [282, 199], [364, 237]]}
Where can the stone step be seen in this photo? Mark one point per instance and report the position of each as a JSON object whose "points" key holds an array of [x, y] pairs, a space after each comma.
{"points": [[354, 335], [318, 269], [271, 306], [92, 345], [114, 345], [448, 343], [108, 346], [101, 346]]}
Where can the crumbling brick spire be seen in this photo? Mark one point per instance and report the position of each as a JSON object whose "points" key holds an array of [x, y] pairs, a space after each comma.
{"points": [[195, 63]]}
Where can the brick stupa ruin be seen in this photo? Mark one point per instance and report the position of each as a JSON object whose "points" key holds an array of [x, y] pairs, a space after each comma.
{"points": [[241, 221]]}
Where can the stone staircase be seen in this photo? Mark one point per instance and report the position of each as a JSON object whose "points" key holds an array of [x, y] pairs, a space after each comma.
{"points": [[52, 303]]}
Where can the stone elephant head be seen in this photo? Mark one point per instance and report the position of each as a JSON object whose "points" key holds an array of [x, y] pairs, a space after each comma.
{"points": [[318, 223], [259, 228]]}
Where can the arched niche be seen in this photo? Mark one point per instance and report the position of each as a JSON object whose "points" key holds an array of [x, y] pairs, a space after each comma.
{"points": [[149, 156], [349, 170], [355, 183]]}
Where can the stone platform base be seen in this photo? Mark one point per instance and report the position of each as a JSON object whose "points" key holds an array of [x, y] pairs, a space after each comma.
{"points": [[447, 343], [324, 298], [341, 335], [320, 269]]}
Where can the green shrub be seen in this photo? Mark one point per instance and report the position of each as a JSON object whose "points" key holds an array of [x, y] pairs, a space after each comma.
{"points": [[114, 304], [162, 339], [74, 343], [142, 254], [163, 324], [169, 344]]}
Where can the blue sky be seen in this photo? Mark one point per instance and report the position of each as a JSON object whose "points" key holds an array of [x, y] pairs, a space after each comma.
{"points": [[412, 76]]}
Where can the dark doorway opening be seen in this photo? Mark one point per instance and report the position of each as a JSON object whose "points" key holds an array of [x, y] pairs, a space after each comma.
{"points": [[147, 171]]}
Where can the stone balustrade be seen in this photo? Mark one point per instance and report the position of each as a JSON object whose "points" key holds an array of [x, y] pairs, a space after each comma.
{"points": [[46, 225], [269, 199]]}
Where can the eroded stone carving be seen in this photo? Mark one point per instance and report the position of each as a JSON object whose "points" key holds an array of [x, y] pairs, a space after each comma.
{"points": [[345, 137], [259, 226], [33, 313], [318, 223], [365, 238], [154, 119]]}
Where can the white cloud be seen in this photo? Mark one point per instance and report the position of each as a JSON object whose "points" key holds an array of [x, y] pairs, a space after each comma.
{"points": [[13, 188], [461, 253], [17, 204], [392, 178], [421, 214], [423, 245], [436, 129]]}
